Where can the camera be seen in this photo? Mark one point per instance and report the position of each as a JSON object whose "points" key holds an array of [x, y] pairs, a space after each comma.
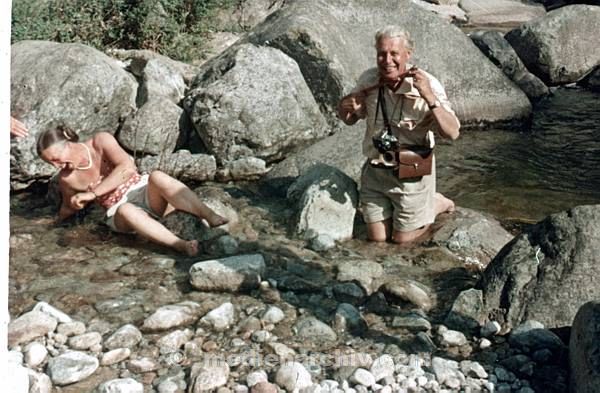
{"points": [[387, 145]]}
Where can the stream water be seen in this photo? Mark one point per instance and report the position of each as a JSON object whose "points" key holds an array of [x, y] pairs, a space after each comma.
{"points": [[527, 175]]}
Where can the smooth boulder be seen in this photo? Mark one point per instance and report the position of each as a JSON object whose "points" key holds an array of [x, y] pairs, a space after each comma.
{"points": [[584, 347]]}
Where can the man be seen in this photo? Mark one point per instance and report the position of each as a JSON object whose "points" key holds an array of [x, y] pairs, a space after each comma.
{"points": [[416, 105]]}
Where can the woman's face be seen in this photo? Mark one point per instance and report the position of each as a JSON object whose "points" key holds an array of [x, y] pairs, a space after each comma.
{"points": [[58, 155]]}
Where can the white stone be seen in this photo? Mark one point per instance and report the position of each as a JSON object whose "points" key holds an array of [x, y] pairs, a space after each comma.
{"points": [[127, 336], [383, 367], [221, 318], [35, 354], [53, 312], [115, 356], [174, 315], [142, 365], [209, 376], [255, 377], [362, 377], [453, 338], [71, 367], [39, 382], [124, 385], [85, 341], [273, 315], [293, 375]]}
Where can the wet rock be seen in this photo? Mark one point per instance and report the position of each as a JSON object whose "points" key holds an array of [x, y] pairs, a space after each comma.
{"points": [[473, 369], [71, 367], [410, 291], [412, 322], [534, 339], [321, 242], [85, 341], [273, 315], [174, 315], [366, 273], [584, 347], [491, 328], [447, 372], [127, 336], [467, 311], [452, 338], [228, 274], [293, 376], [312, 328], [362, 377], [123, 385], [555, 47], [547, 272], [327, 195], [205, 377], [114, 356], [349, 292], [171, 342], [60, 316], [35, 354], [71, 328], [264, 387], [220, 318], [282, 351], [227, 245], [348, 318], [38, 383], [30, 325], [226, 121]]}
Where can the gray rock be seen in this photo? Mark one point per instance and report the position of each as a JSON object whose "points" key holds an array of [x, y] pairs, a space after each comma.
{"points": [[500, 52], [314, 329], [247, 168], [321, 242], [453, 338], [182, 164], [466, 313], [348, 318], [447, 372], [221, 318], [535, 339], [266, 387], [153, 129], [557, 48], [328, 196], [592, 81], [121, 385], [160, 80], [292, 376], [174, 315], [205, 377], [69, 83], [85, 341], [171, 342], [234, 125], [412, 322], [114, 356], [71, 367], [273, 315], [547, 271], [383, 367], [410, 291], [363, 377], [366, 273], [28, 326], [256, 377], [35, 354], [501, 12], [490, 328], [60, 316], [473, 369], [228, 245], [127, 336], [584, 347], [228, 274], [38, 383], [143, 365], [71, 328]]}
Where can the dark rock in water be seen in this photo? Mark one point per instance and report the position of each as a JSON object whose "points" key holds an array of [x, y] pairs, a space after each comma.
{"points": [[558, 48], [547, 272], [466, 313], [349, 292], [584, 349], [348, 318]]}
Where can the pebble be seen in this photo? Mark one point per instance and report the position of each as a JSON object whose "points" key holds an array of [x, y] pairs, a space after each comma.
{"points": [[29, 326], [142, 365], [171, 342], [35, 354], [221, 318], [383, 367], [453, 338], [172, 316], [255, 377], [125, 385], [205, 377], [273, 315], [60, 316], [115, 356], [71, 367], [293, 375], [85, 341], [264, 387], [71, 328], [127, 336], [363, 377], [314, 329], [490, 328]]}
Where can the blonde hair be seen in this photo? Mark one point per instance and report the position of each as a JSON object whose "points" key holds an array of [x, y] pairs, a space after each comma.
{"points": [[392, 31]]}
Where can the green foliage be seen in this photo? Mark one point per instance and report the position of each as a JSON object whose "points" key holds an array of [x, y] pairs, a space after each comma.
{"points": [[175, 28]]}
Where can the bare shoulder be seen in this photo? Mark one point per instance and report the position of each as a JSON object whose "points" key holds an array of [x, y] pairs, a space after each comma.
{"points": [[103, 138]]}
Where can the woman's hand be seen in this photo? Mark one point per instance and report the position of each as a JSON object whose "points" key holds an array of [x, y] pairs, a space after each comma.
{"points": [[79, 200]]}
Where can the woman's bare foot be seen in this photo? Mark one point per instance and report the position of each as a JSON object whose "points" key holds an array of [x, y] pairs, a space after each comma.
{"points": [[443, 204], [188, 247], [214, 220]]}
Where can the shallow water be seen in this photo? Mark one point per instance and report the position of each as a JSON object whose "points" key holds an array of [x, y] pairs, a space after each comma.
{"points": [[527, 175]]}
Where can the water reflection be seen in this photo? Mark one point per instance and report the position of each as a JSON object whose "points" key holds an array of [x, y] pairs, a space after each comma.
{"points": [[527, 175]]}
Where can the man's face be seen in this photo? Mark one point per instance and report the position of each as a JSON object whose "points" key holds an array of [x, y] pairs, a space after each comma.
{"points": [[391, 58]]}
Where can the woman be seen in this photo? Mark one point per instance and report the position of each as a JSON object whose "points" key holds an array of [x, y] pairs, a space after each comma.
{"points": [[100, 170]]}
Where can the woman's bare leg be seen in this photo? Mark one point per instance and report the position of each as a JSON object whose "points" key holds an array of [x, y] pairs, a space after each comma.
{"points": [[163, 190], [131, 218]]}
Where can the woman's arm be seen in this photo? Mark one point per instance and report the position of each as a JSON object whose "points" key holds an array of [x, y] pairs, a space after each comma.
{"points": [[123, 165]]}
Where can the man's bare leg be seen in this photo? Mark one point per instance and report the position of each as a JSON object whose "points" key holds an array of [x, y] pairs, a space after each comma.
{"points": [[379, 231], [131, 218], [410, 236], [443, 204], [163, 190]]}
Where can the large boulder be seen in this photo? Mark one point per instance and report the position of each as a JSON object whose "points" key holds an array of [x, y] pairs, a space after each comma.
{"points": [[501, 12], [500, 52], [584, 348], [547, 272], [333, 43], [69, 83], [182, 165], [561, 47], [253, 101]]}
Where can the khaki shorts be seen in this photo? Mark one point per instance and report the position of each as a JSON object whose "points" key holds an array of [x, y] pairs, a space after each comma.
{"points": [[137, 194], [409, 202]]}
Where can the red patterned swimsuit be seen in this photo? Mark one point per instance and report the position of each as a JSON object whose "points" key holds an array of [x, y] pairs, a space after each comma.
{"points": [[108, 200]]}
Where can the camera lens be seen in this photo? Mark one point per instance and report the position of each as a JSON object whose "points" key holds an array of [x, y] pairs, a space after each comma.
{"points": [[388, 157]]}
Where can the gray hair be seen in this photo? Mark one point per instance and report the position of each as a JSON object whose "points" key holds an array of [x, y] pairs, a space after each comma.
{"points": [[392, 31]]}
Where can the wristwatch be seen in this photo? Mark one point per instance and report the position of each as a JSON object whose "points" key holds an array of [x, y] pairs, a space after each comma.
{"points": [[435, 104]]}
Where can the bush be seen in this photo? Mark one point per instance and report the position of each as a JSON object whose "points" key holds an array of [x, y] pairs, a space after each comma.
{"points": [[175, 28]]}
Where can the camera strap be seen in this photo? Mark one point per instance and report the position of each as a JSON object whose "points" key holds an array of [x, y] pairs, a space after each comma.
{"points": [[381, 103]]}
